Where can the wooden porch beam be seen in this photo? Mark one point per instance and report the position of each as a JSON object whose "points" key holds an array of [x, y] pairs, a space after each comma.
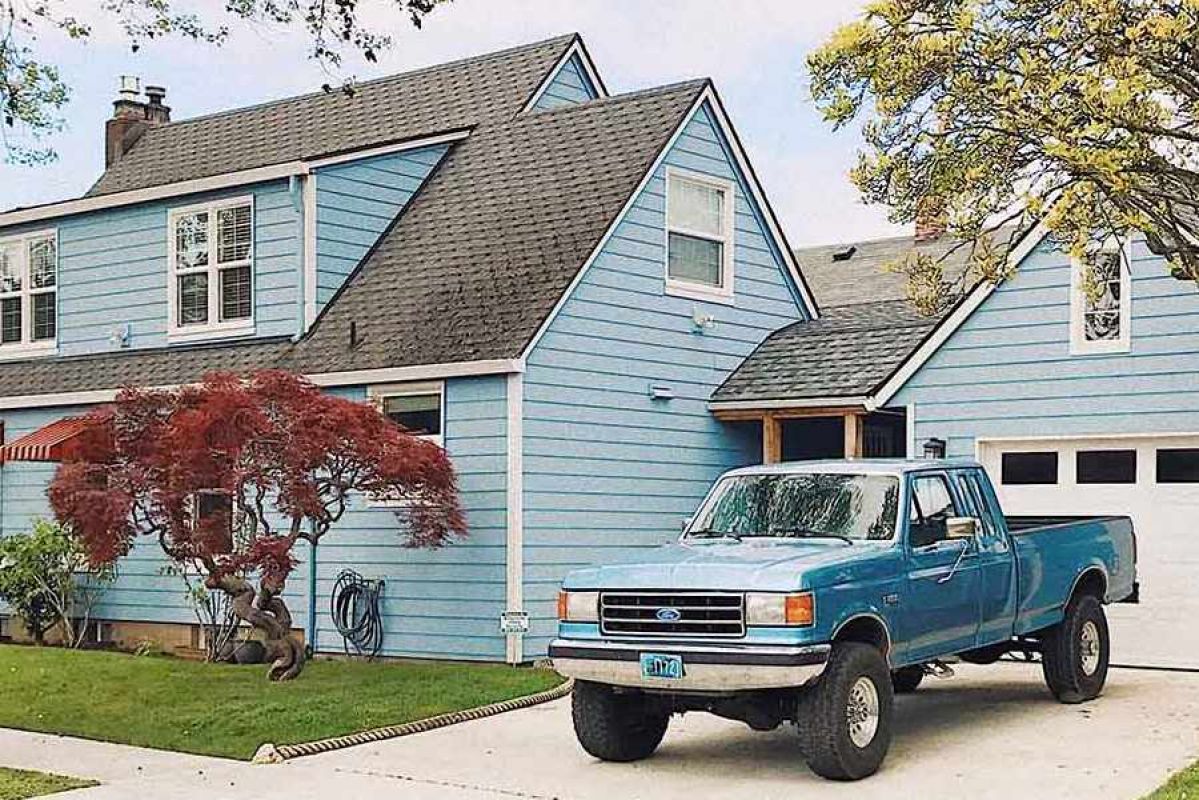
{"points": [[855, 429], [772, 439]]}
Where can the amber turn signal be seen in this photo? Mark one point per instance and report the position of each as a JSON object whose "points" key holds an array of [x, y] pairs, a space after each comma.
{"points": [[800, 609]]}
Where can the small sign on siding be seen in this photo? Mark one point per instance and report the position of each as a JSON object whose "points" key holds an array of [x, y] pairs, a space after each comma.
{"points": [[514, 622]]}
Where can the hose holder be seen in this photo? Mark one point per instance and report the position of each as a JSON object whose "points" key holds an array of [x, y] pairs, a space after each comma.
{"points": [[356, 608]]}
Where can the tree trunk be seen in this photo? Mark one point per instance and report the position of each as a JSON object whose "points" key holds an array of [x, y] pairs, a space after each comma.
{"points": [[266, 612]]}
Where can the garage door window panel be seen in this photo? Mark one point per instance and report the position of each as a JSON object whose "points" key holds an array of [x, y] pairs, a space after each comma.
{"points": [[1029, 469], [1106, 466], [1178, 465]]}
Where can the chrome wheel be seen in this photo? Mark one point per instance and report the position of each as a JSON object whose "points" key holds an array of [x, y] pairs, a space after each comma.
{"points": [[1088, 648], [861, 712]]}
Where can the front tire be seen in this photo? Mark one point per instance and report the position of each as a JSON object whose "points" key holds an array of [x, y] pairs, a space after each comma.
{"points": [[1075, 652], [614, 726], [845, 718]]}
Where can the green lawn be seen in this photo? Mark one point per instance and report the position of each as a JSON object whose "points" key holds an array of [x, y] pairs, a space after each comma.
{"points": [[18, 784], [226, 710], [1183, 786]]}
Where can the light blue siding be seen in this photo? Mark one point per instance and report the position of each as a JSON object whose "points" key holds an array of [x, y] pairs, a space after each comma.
{"points": [[1007, 371], [356, 202], [437, 603], [113, 269], [568, 87], [607, 468]]}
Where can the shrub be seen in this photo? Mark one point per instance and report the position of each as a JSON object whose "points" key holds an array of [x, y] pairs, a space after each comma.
{"points": [[46, 578]]}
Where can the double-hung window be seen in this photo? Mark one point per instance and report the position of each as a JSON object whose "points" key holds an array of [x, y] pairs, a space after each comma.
{"points": [[1101, 303], [211, 253], [28, 294], [699, 236]]}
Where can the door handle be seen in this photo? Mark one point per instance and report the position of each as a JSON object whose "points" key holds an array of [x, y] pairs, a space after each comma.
{"points": [[947, 577]]}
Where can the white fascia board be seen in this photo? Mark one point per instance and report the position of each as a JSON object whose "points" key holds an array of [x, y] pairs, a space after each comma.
{"points": [[226, 180], [461, 369], [576, 49], [955, 320], [780, 405]]}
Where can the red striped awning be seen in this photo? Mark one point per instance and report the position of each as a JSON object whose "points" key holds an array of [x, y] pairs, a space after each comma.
{"points": [[44, 444]]}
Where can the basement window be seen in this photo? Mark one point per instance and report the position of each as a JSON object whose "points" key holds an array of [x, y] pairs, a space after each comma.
{"points": [[211, 264], [699, 236], [28, 294]]}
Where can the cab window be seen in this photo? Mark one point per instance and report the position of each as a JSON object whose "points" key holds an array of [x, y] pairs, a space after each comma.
{"points": [[929, 509]]}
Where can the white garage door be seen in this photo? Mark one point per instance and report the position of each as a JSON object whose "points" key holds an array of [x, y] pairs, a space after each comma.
{"points": [[1155, 480]]}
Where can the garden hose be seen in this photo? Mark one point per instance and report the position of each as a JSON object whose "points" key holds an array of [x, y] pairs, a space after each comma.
{"points": [[356, 613]]}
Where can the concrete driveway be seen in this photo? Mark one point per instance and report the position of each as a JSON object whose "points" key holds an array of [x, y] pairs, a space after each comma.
{"points": [[992, 732]]}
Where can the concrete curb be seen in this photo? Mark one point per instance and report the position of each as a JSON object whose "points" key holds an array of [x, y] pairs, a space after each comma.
{"points": [[277, 754]]}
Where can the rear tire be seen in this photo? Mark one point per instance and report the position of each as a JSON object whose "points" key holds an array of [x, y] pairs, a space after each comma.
{"points": [[905, 680], [845, 718], [1075, 652], [613, 726]]}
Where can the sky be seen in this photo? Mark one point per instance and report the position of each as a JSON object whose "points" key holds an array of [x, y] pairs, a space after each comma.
{"points": [[754, 50]]}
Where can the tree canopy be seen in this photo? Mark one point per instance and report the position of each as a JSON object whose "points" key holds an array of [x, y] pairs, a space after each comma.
{"points": [[230, 474], [1083, 114], [33, 92]]}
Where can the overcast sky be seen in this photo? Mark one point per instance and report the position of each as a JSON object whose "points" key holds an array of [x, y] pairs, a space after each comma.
{"points": [[754, 50]]}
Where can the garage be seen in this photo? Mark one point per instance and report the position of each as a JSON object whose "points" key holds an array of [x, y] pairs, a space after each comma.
{"points": [[1155, 480]]}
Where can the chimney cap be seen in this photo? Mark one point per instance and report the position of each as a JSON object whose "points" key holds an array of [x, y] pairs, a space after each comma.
{"points": [[130, 87], [156, 94]]}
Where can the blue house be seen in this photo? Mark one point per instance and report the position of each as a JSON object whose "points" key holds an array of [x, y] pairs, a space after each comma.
{"points": [[547, 280]]}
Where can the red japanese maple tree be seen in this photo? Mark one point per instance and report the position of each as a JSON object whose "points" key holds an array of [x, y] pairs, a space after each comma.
{"points": [[231, 473]]}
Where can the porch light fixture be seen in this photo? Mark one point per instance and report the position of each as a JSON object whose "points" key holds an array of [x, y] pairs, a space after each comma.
{"points": [[934, 448]]}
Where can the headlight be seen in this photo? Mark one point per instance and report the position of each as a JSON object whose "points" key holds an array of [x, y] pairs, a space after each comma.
{"points": [[578, 606], [773, 608]]}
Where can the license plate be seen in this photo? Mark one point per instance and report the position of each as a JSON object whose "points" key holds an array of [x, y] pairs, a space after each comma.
{"points": [[656, 665]]}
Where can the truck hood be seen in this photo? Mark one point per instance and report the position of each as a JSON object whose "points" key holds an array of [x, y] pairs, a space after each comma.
{"points": [[768, 565]]}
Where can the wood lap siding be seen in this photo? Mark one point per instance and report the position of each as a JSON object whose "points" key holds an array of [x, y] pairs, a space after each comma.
{"points": [[607, 469], [441, 603], [356, 202], [1008, 372], [569, 87]]}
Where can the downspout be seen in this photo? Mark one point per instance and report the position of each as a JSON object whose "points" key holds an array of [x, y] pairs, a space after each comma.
{"points": [[295, 188], [310, 634]]}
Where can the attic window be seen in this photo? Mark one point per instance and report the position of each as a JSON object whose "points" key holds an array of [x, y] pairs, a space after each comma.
{"points": [[1101, 304], [211, 264], [699, 236]]}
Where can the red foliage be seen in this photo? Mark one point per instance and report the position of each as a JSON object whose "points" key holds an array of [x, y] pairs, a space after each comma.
{"points": [[289, 455]]}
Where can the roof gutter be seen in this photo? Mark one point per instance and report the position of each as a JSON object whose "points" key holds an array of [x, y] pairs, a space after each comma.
{"points": [[227, 180], [783, 404]]}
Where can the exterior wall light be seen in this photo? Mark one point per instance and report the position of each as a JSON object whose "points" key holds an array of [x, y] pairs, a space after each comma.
{"points": [[934, 448]]}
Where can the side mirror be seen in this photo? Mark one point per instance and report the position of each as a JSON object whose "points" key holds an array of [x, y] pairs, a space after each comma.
{"points": [[961, 527]]}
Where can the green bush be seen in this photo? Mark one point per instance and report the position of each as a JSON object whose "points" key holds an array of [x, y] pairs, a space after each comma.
{"points": [[46, 579]]}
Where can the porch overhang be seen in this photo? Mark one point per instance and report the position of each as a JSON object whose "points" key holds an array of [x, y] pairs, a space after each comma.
{"points": [[772, 413]]}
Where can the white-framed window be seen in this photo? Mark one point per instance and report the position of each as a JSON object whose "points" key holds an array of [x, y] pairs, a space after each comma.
{"points": [[1101, 303], [418, 408], [210, 250], [28, 294], [700, 218], [208, 503]]}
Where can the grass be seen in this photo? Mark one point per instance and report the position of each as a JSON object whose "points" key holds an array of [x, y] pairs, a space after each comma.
{"points": [[18, 784], [229, 710], [1182, 786]]}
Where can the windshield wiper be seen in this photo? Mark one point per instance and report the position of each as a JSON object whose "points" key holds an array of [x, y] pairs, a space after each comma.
{"points": [[707, 533], [807, 533]]}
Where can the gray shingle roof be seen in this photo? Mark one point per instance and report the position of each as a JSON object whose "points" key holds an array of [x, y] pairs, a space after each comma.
{"points": [[158, 367], [492, 241], [848, 352], [409, 105]]}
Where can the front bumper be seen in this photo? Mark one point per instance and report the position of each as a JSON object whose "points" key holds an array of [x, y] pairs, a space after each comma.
{"points": [[706, 668]]}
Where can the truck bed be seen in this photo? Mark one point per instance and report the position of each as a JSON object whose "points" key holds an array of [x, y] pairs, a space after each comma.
{"points": [[1018, 526]]}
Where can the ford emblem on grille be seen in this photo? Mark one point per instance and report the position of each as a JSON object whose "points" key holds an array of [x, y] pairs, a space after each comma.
{"points": [[669, 614]]}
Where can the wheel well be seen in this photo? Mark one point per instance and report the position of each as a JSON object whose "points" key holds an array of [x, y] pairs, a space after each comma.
{"points": [[867, 630], [1092, 582]]}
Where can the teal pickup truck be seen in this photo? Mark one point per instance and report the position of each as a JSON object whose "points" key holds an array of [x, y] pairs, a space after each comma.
{"points": [[810, 593]]}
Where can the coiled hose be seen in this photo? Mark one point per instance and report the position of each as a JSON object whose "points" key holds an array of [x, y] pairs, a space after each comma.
{"points": [[356, 613]]}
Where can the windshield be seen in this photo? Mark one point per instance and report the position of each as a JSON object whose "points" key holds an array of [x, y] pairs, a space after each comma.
{"points": [[807, 505]]}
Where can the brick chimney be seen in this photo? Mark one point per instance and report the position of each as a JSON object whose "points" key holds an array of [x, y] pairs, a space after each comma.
{"points": [[931, 220], [131, 117]]}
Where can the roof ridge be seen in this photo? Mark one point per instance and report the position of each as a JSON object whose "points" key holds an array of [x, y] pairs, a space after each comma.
{"points": [[479, 58], [666, 88]]}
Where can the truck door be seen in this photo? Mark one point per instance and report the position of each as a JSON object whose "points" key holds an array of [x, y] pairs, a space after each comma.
{"points": [[996, 561], [940, 609]]}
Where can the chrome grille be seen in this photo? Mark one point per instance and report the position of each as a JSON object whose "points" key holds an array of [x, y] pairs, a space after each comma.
{"points": [[699, 614]]}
